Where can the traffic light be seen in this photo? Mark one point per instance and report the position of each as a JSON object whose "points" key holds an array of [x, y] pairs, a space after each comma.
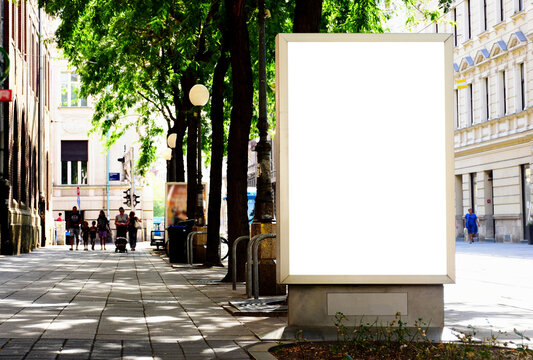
{"points": [[127, 197], [136, 199]]}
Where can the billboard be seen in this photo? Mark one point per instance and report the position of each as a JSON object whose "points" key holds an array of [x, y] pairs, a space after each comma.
{"points": [[176, 202], [364, 144]]}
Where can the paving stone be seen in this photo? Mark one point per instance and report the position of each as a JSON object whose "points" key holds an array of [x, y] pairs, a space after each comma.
{"points": [[44, 355]]}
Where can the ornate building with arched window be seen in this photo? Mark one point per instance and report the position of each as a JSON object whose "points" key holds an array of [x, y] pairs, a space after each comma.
{"points": [[493, 98]]}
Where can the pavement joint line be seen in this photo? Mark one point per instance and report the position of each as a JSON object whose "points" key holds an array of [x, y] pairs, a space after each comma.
{"points": [[105, 305], [144, 309], [199, 289]]}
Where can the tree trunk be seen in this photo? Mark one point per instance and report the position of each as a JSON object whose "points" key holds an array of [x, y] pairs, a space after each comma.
{"points": [[176, 166], [307, 16], [217, 154], [192, 136], [241, 115]]}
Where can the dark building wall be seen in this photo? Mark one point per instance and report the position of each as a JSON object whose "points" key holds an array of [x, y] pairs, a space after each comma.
{"points": [[24, 196]]}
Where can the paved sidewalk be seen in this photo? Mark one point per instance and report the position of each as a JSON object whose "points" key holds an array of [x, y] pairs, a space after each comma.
{"points": [[60, 304]]}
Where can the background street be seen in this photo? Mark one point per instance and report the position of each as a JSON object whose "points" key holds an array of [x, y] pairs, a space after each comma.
{"points": [[493, 290]]}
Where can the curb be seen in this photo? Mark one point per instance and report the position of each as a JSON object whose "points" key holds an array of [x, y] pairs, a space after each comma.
{"points": [[260, 351]]}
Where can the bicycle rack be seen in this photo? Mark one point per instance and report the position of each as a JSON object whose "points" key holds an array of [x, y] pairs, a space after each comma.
{"points": [[189, 249], [234, 258], [256, 262], [249, 267]]}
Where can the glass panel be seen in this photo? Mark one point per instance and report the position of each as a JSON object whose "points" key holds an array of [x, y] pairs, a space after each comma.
{"points": [[83, 102], [74, 95], [74, 77], [83, 172], [64, 172], [64, 94], [64, 77], [74, 172]]}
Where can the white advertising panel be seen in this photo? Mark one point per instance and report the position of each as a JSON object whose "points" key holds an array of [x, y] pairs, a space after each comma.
{"points": [[365, 159]]}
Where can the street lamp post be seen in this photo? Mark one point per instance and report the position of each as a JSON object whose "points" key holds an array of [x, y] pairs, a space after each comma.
{"points": [[199, 95], [264, 205]]}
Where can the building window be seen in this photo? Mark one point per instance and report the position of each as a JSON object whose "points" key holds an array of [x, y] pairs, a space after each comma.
{"points": [[468, 27], [70, 90], [484, 20], [526, 191], [519, 5], [503, 94], [456, 108], [470, 104], [74, 162], [521, 88], [500, 11], [485, 100], [454, 27], [473, 192]]}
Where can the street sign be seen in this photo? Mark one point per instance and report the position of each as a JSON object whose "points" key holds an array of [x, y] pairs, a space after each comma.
{"points": [[6, 95], [114, 176]]}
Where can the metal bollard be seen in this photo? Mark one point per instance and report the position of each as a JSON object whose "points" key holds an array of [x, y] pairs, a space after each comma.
{"points": [[189, 250], [234, 259], [249, 268], [256, 262]]}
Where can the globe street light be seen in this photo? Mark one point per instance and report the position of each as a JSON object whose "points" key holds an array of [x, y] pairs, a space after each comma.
{"points": [[167, 154], [199, 95], [171, 140]]}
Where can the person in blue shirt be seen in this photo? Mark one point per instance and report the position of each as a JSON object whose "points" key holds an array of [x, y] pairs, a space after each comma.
{"points": [[471, 223]]}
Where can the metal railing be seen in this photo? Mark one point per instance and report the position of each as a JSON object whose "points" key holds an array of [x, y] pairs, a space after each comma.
{"points": [[250, 264], [234, 259], [256, 262], [189, 248]]}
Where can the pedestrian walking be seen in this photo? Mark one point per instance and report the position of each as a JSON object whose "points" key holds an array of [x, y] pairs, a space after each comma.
{"points": [[471, 223], [92, 234], [103, 229], [121, 222], [133, 226], [74, 221], [85, 230]]}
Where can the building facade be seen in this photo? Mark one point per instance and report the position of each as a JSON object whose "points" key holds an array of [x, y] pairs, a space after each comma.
{"points": [[24, 130], [493, 67], [84, 174]]}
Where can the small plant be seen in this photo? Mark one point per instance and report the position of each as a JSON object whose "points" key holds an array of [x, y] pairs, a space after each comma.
{"points": [[397, 340]]}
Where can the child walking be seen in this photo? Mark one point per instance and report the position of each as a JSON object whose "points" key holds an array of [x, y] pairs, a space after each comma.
{"points": [[85, 235], [92, 233]]}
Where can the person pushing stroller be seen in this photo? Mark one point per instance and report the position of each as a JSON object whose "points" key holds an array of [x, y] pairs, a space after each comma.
{"points": [[121, 222]]}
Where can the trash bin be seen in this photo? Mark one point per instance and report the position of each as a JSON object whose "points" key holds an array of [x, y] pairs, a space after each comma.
{"points": [[177, 241]]}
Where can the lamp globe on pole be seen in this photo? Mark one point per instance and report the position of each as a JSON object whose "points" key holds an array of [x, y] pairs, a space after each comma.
{"points": [[171, 140], [167, 154], [199, 96]]}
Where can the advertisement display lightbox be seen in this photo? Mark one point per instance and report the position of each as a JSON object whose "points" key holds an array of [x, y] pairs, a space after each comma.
{"points": [[365, 187]]}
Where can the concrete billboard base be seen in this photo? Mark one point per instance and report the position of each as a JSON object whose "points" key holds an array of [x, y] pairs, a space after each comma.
{"points": [[317, 305]]}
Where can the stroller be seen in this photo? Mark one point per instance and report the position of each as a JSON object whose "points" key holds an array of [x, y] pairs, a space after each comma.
{"points": [[120, 245]]}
